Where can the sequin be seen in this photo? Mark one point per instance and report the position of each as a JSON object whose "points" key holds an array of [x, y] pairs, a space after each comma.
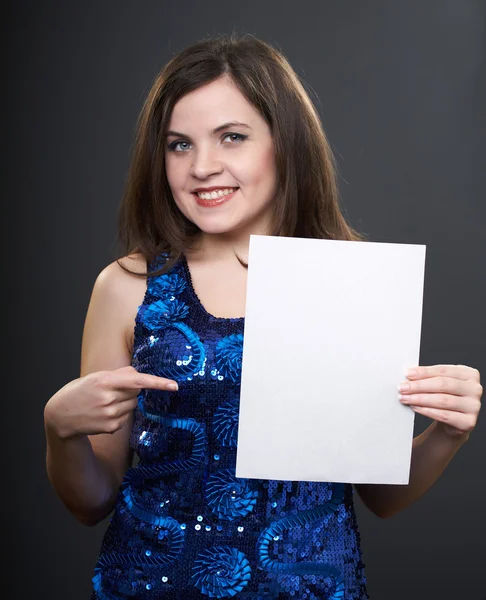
{"points": [[230, 497], [229, 350], [181, 510], [160, 314], [167, 285], [221, 572], [225, 423]]}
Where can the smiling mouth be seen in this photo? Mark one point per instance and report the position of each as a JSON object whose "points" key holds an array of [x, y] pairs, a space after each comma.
{"points": [[208, 201]]}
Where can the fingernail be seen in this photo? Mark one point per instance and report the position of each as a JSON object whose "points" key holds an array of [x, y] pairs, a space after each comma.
{"points": [[172, 386], [403, 387], [411, 373]]}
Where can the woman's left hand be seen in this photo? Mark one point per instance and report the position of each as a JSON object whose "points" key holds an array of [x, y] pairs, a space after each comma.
{"points": [[449, 394]]}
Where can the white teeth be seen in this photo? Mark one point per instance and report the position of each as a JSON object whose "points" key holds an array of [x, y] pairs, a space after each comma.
{"points": [[215, 194]]}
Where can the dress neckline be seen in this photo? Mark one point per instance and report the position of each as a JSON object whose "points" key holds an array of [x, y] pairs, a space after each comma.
{"points": [[197, 300]]}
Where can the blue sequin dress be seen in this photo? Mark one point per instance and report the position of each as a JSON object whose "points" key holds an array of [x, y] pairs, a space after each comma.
{"points": [[184, 526]]}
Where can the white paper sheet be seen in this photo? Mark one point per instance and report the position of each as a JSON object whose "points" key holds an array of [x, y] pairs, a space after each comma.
{"points": [[330, 328]]}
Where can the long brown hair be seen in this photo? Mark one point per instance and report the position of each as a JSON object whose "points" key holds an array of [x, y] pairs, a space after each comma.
{"points": [[307, 197]]}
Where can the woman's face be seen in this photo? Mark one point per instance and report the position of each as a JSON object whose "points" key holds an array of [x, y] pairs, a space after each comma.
{"points": [[200, 153]]}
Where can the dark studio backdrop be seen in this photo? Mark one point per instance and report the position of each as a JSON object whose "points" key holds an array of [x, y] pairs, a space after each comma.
{"points": [[401, 89]]}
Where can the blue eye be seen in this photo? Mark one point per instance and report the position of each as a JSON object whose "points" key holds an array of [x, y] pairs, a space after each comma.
{"points": [[172, 147], [240, 136]]}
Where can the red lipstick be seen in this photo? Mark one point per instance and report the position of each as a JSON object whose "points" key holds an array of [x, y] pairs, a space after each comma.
{"points": [[214, 201]]}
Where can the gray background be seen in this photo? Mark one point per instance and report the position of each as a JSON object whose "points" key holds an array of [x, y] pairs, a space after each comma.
{"points": [[401, 88]]}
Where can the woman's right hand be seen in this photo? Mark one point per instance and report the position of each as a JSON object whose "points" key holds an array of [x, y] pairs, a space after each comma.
{"points": [[100, 402]]}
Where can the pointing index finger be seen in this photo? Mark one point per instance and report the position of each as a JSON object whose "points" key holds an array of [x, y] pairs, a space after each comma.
{"points": [[147, 381]]}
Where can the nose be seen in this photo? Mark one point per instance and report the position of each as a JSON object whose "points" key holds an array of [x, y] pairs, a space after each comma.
{"points": [[205, 163]]}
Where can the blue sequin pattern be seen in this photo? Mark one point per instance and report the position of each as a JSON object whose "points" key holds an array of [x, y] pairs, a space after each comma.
{"points": [[184, 526]]}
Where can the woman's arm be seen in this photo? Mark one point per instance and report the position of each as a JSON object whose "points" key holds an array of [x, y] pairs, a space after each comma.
{"points": [[432, 451], [86, 471], [86, 482], [449, 394]]}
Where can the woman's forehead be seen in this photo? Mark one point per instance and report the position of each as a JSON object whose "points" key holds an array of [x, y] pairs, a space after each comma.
{"points": [[212, 105]]}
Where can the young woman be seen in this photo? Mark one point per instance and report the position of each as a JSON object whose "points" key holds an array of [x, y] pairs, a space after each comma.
{"points": [[228, 145]]}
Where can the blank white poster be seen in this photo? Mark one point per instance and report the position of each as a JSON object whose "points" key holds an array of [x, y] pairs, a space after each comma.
{"points": [[330, 329]]}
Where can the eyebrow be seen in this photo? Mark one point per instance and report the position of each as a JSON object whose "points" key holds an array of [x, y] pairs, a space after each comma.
{"points": [[217, 130]]}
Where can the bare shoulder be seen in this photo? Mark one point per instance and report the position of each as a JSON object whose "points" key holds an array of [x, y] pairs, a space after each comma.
{"points": [[122, 292], [115, 275]]}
